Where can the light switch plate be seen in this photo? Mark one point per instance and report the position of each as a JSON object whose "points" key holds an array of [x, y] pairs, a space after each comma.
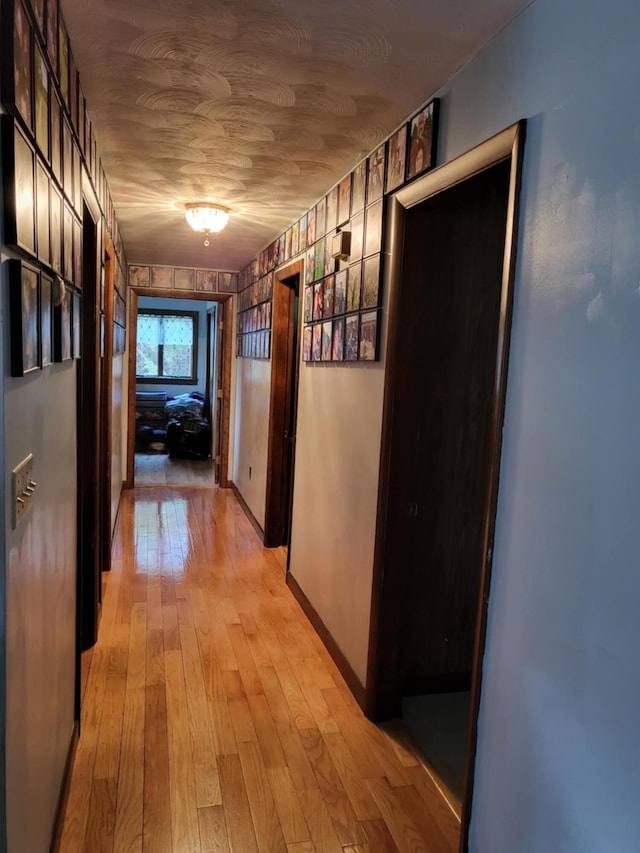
{"points": [[22, 489]]}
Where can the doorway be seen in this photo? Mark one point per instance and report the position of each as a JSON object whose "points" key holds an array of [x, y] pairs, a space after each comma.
{"points": [[285, 352], [449, 317], [215, 385], [174, 453]]}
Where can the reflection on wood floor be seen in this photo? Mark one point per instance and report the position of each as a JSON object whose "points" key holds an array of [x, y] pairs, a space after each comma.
{"points": [[213, 718], [157, 469]]}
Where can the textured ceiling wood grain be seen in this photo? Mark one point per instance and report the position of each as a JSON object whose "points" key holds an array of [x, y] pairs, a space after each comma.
{"points": [[259, 105]]}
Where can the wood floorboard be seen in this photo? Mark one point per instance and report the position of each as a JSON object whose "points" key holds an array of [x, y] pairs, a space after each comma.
{"points": [[213, 719]]}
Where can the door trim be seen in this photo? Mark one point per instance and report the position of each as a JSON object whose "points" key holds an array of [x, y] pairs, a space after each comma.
{"points": [[281, 347], [226, 304], [382, 687]]}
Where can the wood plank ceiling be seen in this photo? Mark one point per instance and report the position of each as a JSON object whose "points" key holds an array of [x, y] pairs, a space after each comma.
{"points": [[259, 105]]}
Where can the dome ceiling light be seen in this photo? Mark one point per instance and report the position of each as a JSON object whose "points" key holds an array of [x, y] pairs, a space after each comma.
{"points": [[207, 217]]}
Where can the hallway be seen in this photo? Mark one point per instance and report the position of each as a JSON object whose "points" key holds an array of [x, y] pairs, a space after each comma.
{"points": [[214, 720]]}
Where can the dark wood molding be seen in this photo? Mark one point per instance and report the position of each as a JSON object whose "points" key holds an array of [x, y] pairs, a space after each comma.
{"points": [[247, 511], [382, 687], [58, 824], [282, 353], [346, 670], [227, 311]]}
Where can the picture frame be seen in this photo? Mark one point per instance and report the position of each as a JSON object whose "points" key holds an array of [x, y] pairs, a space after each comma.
{"points": [[396, 159], [67, 242], [328, 290], [344, 199], [321, 217], [139, 276], [41, 101], [310, 264], [359, 187], [18, 161], [63, 59], [46, 320], [24, 314], [52, 34], [356, 227], [308, 305], [368, 344], [295, 239], [316, 342], [62, 327], [302, 233], [67, 159], [55, 228], [423, 139], [43, 210], [354, 287], [311, 227], [337, 348], [373, 229], [161, 277], [332, 209], [371, 282], [77, 179], [227, 282], [77, 253], [22, 95], [318, 301], [76, 325], [319, 259], [340, 292], [351, 332], [184, 278], [376, 174], [327, 340], [206, 281], [306, 343], [55, 130]]}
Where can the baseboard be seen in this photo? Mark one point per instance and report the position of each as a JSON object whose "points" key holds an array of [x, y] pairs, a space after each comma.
{"points": [[56, 837], [247, 511], [353, 682]]}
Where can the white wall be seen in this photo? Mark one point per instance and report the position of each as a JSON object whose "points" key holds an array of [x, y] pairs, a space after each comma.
{"points": [[559, 749], [250, 431]]}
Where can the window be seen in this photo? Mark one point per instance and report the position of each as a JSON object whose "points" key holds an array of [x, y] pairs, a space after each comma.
{"points": [[167, 347]]}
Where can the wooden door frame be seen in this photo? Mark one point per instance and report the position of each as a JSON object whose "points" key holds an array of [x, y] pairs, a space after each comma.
{"points": [[281, 351], [383, 689], [106, 392], [226, 303]]}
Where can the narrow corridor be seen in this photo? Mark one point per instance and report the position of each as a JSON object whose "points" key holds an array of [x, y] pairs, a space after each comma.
{"points": [[213, 718]]}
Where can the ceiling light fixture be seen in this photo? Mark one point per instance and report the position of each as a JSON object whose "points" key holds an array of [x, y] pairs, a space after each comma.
{"points": [[207, 217]]}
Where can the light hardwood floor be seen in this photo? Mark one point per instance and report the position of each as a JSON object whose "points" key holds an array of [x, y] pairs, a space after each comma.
{"points": [[157, 469], [213, 718]]}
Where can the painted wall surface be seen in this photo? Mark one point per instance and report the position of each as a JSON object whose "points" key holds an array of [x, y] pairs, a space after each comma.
{"points": [[118, 437], [251, 432], [559, 749], [182, 305], [40, 418]]}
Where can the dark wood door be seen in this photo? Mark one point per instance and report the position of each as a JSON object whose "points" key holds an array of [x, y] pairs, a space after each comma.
{"points": [[449, 315]]}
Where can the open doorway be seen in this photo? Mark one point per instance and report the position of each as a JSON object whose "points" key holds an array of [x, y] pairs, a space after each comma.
{"points": [[174, 400], [452, 251]]}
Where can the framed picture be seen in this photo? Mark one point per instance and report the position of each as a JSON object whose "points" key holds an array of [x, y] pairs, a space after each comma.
{"points": [[206, 281], [24, 317], [73, 92], [356, 226], [52, 33], [228, 282], [329, 261], [67, 159], [373, 229], [375, 181], [38, 11], [54, 137], [396, 158], [287, 244], [41, 81], [46, 321], [340, 292], [311, 227], [371, 282], [354, 286], [55, 228], [351, 329], [327, 340], [77, 253], [43, 209], [63, 59], [318, 301], [22, 80], [295, 239], [76, 325], [67, 242], [344, 199], [332, 209], [337, 350], [368, 350], [77, 180], [19, 183], [359, 187], [319, 260], [303, 234], [62, 327], [161, 277], [328, 296], [184, 279], [308, 304], [306, 343], [310, 265], [138, 276], [316, 342], [423, 139], [321, 217]]}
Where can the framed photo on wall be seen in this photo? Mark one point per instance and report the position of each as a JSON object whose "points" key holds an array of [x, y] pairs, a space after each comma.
{"points": [[344, 199], [368, 350], [396, 158], [43, 210], [206, 281], [375, 182], [62, 327], [423, 137], [371, 282], [373, 229], [352, 326], [24, 286], [138, 276], [76, 325], [41, 80], [22, 77], [184, 278], [55, 225], [19, 184], [46, 320], [359, 187]]}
